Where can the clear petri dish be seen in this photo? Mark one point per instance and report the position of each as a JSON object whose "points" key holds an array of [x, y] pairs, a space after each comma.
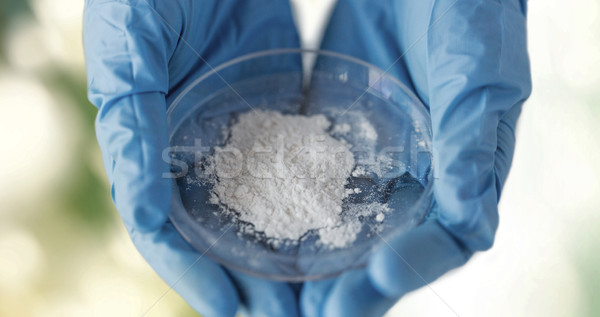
{"points": [[394, 156]]}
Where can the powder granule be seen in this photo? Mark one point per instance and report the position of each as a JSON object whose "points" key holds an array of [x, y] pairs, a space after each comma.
{"points": [[283, 174]]}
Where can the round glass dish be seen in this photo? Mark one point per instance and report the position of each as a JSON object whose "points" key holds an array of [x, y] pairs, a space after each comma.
{"points": [[348, 91]]}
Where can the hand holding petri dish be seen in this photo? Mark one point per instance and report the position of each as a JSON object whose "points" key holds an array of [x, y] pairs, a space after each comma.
{"points": [[293, 177]]}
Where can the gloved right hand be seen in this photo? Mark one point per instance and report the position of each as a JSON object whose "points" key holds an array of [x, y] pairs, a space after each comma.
{"points": [[467, 61], [139, 55]]}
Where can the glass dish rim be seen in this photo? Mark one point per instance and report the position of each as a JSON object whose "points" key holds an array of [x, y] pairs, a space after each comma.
{"points": [[279, 51]]}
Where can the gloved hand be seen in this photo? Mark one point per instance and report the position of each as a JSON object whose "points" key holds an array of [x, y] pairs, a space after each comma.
{"points": [[136, 63], [467, 61]]}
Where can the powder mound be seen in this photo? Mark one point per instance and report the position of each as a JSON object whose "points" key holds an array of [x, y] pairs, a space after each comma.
{"points": [[285, 175]]}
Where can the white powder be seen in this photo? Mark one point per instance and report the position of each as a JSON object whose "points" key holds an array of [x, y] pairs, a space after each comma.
{"points": [[367, 131], [345, 233], [286, 176], [341, 128]]}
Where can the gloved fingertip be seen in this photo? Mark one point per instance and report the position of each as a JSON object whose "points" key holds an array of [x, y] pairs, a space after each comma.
{"points": [[353, 294], [389, 281], [221, 306], [415, 259], [313, 295], [224, 304], [260, 297]]}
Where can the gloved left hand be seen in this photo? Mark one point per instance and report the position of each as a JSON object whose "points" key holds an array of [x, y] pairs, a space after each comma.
{"points": [[467, 61], [139, 55]]}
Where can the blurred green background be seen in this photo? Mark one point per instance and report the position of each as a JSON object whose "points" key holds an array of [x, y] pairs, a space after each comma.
{"points": [[64, 252]]}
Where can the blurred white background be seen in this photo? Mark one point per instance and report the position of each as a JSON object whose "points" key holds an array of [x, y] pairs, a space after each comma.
{"points": [[544, 261]]}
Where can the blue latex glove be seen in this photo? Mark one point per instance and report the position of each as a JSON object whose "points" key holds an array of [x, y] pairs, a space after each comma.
{"points": [[467, 61], [136, 63]]}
